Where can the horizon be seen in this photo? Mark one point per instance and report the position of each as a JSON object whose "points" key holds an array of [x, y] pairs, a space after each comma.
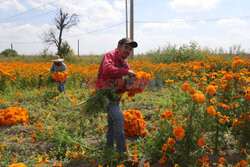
{"points": [[212, 24]]}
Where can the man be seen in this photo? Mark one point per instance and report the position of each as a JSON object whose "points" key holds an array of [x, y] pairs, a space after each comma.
{"points": [[112, 68], [59, 66]]}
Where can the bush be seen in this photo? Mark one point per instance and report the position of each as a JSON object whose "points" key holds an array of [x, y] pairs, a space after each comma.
{"points": [[171, 53], [67, 52], [9, 53], [46, 55]]}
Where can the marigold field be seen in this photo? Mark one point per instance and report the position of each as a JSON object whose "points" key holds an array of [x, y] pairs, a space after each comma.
{"points": [[193, 113]]}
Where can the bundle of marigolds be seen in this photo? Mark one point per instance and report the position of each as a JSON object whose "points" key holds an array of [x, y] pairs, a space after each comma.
{"points": [[137, 83], [134, 123], [60, 76], [13, 116], [17, 165]]}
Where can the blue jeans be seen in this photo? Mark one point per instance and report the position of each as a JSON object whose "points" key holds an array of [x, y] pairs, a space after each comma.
{"points": [[116, 127], [60, 86]]}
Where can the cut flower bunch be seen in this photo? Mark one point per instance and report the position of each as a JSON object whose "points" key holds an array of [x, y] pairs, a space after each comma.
{"points": [[13, 116], [137, 84], [60, 76]]}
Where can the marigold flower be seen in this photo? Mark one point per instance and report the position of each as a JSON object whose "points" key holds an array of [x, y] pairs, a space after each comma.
{"points": [[222, 160], [100, 128], [199, 97], [134, 123], [146, 164], [192, 91], [179, 132], [212, 100], [60, 76], [172, 150], [211, 110], [242, 163], [247, 96], [171, 141], [211, 89], [222, 121], [238, 63], [228, 77], [57, 165], [167, 114], [139, 82], [185, 87], [201, 142], [243, 150], [13, 116], [17, 165], [163, 160]]}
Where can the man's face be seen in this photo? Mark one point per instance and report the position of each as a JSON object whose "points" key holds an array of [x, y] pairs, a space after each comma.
{"points": [[125, 50]]}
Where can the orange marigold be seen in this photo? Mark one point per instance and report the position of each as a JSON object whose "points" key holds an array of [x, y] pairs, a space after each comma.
{"points": [[13, 116], [211, 110], [167, 114], [185, 87], [228, 77], [138, 83], [179, 132], [134, 123], [199, 97], [247, 96], [242, 163], [222, 160], [17, 165], [211, 89], [60, 76], [171, 141], [201, 142]]}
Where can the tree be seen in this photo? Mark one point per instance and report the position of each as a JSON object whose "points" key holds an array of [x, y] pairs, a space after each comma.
{"points": [[9, 53], [64, 21]]}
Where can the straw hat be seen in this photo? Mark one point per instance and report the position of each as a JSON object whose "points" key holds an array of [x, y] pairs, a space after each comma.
{"points": [[57, 58]]}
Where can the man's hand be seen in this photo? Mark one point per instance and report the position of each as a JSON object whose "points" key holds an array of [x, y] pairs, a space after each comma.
{"points": [[131, 73]]}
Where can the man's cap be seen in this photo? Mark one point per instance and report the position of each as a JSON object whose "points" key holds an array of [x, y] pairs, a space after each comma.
{"points": [[57, 58], [128, 41]]}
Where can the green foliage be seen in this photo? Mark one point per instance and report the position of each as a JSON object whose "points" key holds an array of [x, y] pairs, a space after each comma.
{"points": [[171, 53], [100, 100], [46, 55], [9, 53], [66, 52]]}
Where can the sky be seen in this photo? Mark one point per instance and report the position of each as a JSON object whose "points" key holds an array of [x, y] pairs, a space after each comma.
{"points": [[211, 24]]}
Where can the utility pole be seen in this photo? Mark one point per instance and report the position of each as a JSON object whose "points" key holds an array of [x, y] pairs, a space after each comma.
{"points": [[132, 25], [126, 4], [78, 47]]}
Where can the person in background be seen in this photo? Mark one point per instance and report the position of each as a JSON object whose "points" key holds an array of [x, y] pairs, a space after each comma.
{"points": [[113, 67], [59, 66]]}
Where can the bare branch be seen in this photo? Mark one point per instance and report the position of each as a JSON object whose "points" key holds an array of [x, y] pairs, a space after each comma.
{"points": [[64, 21]]}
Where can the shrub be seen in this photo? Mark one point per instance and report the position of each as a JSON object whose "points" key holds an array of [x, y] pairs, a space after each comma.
{"points": [[171, 53], [66, 51], [9, 53], [45, 54]]}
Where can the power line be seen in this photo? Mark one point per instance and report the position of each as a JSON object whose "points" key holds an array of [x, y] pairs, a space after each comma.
{"points": [[35, 17], [97, 30], [90, 32], [193, 20], [28, 11]]}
